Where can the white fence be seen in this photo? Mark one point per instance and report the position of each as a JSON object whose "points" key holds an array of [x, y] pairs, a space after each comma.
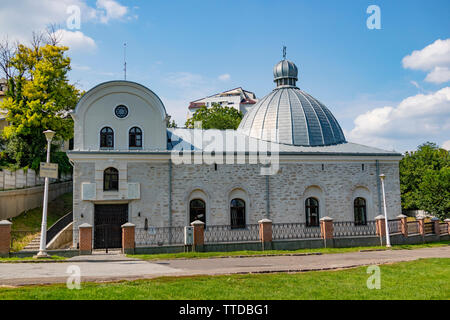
{"points": [[10, 180]]}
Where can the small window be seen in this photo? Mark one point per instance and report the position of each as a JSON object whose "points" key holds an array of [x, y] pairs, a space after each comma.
{"points": [[312, 212], [121, 111], [111, 179], [360, 209], [107, 138], [237, 210], [135, 137], [362, 167], [197, 210]]}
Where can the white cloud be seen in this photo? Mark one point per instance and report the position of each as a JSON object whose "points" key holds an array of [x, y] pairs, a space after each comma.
{"points": [[20, 17], [76, 40], [419, 118], [224, 77], [435, 58], [439, 75], [110, 9], [446, 145]]}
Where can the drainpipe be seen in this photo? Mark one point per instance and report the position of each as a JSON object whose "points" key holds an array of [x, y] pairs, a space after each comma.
{"points": [[170, 201], [377, 164], [268, 198]]}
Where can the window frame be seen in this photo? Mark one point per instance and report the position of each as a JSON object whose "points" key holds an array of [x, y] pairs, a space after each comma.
{"points": [[106, 134], [197, 208], [308, 208], [235, 219], [135, 134], [357, 211], [111, 179]]}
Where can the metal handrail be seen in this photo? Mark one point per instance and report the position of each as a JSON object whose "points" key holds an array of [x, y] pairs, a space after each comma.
{"points": [[58, 226]]}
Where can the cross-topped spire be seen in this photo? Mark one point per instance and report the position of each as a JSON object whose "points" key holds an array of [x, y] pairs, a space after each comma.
{"points": [[284, 52]]}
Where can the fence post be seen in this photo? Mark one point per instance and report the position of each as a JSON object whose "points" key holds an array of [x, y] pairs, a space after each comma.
{"points": [[326, 231], [421, 220], [5, 238], [381, 227], [265, 233], [403, 224], [199, 235], [85, 239], [128, 241], [436, 227]]}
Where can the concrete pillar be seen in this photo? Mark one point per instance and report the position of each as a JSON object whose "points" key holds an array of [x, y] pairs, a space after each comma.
{"points": [[128, 241], [421, 220], [5, 238], [381, 225], [85, 239], [199, 234], [265, 233], [403, 224], [436, 227]]}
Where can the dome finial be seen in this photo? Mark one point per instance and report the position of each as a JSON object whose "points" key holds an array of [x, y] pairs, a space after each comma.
{"points": [[284, 52]]}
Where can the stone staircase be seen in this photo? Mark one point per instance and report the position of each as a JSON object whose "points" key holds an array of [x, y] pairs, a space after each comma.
{"points": [[34, 244]]}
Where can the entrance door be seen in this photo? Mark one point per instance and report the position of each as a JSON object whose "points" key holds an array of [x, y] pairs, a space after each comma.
{"points": [[107, 225]]}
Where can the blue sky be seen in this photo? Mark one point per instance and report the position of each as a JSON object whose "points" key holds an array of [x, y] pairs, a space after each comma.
{"points": [[184, 50]]}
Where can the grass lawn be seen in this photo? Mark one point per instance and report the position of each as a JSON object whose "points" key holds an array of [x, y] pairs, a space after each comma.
{"points": [[198, 255], [31, 259], [421, 279], [28, 224]]}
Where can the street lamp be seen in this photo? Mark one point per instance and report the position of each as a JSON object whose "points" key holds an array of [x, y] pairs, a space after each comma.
{"points": [[42, 252], [388, 239]]}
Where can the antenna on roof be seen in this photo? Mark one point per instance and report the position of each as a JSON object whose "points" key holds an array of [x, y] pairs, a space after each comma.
{"points": [[284, 52], [125, 60]]}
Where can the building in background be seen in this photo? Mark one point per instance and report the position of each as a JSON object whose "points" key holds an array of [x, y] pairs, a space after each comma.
{"points": [[3, 113], [237, 98]]}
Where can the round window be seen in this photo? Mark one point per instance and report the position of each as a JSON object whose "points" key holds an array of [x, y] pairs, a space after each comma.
{"points": [[121, 111]]}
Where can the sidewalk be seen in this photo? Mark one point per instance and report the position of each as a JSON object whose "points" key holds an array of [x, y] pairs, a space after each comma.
{"points": [[112, 267]]}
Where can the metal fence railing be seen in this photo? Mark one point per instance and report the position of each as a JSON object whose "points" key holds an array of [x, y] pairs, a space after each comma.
{"points": [[443, 228], [285, 231], [395, 226], [349, 229], [413, 227], [159, 236], [225, 233], [428, 227]]}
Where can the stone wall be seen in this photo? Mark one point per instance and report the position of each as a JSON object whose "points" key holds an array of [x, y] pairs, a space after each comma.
{"points": [[14, 202], [336, 185]]}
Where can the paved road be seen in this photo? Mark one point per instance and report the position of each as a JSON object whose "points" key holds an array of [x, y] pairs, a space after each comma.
{"points": [[102, 267]]}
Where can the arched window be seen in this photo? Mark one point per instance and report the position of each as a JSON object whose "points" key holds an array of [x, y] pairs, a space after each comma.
{"points": [[360, 209], [312, 212], [237, 210], [135, 138], [197, 210], [110, 179], [107, 138]]}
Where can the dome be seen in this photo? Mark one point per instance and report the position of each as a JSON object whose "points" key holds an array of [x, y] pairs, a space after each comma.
{"points": [[299, 119], [285, 69]]}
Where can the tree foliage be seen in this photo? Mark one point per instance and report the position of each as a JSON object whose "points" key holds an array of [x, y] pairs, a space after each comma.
{"points": [[39, 98], [425, 180], [216, 117]]}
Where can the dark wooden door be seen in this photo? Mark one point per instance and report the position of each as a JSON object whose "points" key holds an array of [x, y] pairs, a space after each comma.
{"points": [[107, 225]]}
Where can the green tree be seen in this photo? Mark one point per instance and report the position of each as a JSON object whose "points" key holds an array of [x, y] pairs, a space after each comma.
{"points": [[216, 117], [171, 123], [435, 192], [420, 174], [39, 98]]}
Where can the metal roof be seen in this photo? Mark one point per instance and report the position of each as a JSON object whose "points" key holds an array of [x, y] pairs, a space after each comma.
{"points": [[297, 117], [285, 69]]}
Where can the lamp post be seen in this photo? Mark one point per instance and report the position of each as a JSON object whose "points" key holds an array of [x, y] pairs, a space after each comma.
{"points": [[42, 248], [388, 239]]}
